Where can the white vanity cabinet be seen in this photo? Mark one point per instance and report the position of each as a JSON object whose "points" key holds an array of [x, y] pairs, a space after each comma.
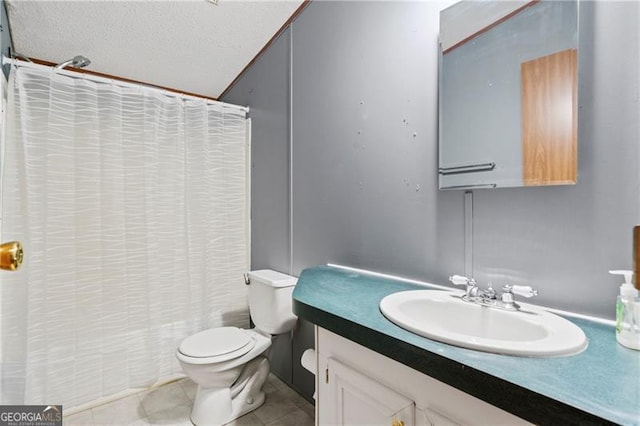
{"points": [[357, 386]]}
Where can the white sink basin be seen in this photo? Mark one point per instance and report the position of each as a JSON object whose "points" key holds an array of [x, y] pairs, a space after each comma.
{"points": [[443, 316]]}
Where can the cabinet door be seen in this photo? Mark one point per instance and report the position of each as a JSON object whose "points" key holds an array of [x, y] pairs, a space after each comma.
{"points": [[355, 399]]}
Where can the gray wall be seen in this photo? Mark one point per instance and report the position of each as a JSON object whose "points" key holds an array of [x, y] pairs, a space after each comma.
{"points": [[265, 88], [563, 240], [365, 142], [363, 111]]}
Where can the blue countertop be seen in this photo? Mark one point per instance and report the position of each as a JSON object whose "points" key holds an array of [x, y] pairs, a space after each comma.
{"points": [[599, 385]]}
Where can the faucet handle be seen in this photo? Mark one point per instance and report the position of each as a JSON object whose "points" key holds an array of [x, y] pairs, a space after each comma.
{"points": [[524, 290], [460, 280], [471, 289], [520, 290]]}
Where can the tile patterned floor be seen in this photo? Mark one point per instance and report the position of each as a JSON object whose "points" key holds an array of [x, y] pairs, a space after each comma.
{"points": [[171, 405]]}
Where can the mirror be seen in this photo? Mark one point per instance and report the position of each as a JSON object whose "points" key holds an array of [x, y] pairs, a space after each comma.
{"points": [[508, 94]]}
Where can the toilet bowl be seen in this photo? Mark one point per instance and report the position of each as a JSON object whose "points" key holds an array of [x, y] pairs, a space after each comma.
{"points": [[228, 363], [214, 359]]}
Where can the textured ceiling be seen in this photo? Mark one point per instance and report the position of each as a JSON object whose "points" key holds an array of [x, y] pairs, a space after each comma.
{"points": [[189, 45]]}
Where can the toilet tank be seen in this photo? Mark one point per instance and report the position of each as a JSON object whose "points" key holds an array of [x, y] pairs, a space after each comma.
{"points": [[270, 302]]}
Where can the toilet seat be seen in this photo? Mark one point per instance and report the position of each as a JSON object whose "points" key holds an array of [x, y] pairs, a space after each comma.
{"points": [[217, 345]]}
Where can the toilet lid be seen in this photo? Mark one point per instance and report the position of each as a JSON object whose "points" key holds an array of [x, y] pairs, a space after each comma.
{"points": [[217, 342]]}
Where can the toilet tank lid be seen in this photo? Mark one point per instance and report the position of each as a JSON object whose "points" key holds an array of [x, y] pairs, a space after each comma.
{"points": [[273, 278]]}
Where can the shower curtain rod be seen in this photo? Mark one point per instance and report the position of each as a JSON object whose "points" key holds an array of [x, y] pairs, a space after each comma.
{"points": [[121, 83]]}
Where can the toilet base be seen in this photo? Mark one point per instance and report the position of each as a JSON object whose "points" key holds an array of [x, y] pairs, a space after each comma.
{"points": [[217, 406]]}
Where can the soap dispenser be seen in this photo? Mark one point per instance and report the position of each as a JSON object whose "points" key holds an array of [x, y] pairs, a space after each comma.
{"points": [[628, 312]]}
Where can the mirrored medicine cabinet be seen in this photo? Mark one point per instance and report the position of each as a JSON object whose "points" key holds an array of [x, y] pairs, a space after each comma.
{"points": [[508, 94]]}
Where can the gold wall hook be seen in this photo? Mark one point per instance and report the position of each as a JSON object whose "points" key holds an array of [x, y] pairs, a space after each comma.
{"points": [[11, 255]]}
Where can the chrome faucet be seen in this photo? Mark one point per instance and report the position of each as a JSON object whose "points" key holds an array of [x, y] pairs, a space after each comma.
{"points": [[489, 297]]}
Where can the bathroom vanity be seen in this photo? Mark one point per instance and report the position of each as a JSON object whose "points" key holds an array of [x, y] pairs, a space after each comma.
{"points": [[371, 371], [359, 386]]}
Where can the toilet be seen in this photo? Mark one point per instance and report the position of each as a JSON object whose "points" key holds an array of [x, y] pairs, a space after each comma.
{"points": [[228, 363]]}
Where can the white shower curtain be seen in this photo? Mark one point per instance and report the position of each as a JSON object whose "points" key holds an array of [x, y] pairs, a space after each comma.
{"points": [[132, 208]]}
